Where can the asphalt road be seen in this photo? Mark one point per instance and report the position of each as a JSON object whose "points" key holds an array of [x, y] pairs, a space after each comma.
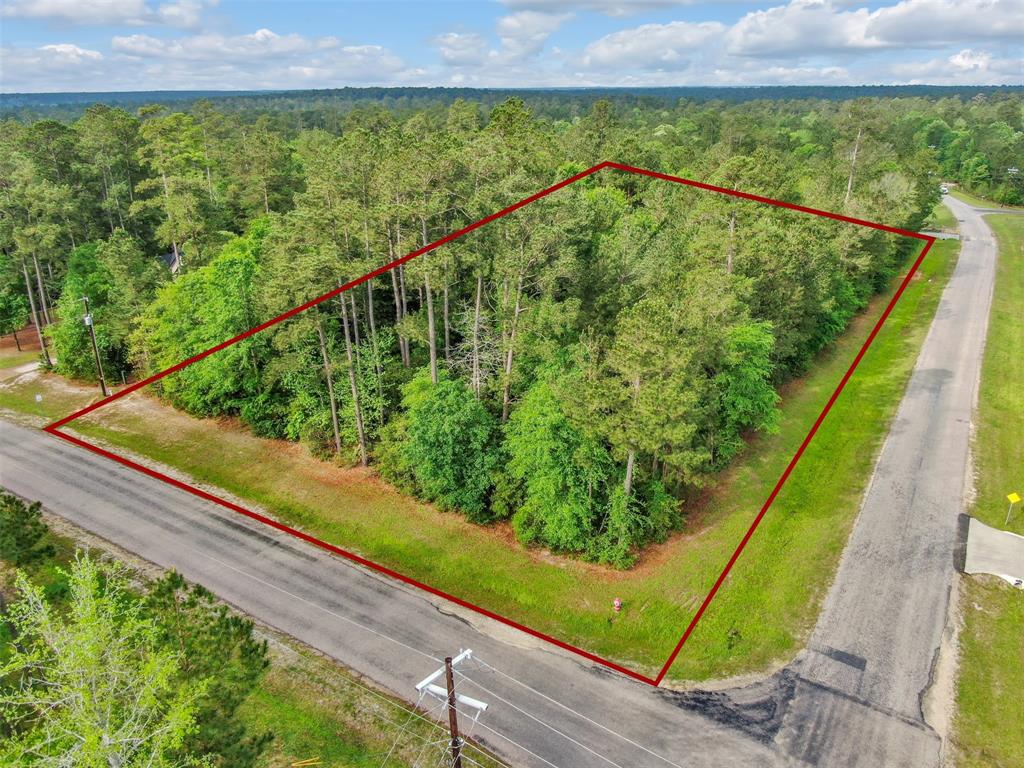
{"points": [[563, 710], [862, 680], [853, 698]]}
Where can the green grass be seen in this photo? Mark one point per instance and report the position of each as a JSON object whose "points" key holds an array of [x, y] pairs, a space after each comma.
{"points": [[990, 708], [315, 711], [12, 358], [979, 202], [941, 219], [764, 610], [57, 397]]}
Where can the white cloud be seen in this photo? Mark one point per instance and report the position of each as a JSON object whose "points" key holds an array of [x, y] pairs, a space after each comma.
{"points": [[966, 67], [34, 69], [924, 22], [263, 59], [178, 13], [797, 41], [263, 43], [461, 49], [615, 8], [524, 33], [802, 26], [652, 46], [67, 53], [819, 26], [184, 13]]}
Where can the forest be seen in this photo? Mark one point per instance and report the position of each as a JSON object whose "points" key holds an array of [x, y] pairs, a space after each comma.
{"points": [[581, 367]]}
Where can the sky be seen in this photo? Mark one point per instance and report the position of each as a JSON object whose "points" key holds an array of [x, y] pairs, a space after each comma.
{"points": [[126, 45]]}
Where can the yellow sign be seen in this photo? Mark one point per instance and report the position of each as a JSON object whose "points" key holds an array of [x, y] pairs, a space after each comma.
{"points": [[1014, 498]]}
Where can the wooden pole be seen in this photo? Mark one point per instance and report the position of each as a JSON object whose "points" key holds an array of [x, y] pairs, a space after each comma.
{"points": [[95, 347], [453, 717]]}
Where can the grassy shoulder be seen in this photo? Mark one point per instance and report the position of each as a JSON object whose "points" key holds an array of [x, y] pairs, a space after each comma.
{"points": [[980, 202], [762, 614], [991, 672], [941, 219]]}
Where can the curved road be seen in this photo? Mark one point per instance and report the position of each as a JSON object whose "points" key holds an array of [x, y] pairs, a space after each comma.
{"points": [[853, 698]]}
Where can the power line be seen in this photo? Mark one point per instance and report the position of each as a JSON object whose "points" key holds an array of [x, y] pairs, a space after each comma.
{"points": [[578, 714], [413, 714], [550, 727]]}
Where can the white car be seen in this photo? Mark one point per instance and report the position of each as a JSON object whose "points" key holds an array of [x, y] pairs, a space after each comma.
{"points": [[944, 189]]}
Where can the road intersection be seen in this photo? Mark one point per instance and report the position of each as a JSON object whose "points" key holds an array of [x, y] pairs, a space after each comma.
{"points": [[853, 697]]}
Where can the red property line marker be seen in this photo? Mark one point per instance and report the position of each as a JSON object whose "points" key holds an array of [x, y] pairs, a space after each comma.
{"points": [[54, 428]]}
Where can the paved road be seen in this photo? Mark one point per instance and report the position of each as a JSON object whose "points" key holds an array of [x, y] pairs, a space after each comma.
{"points": [[854, 698], [392, 634], [870, 660]]}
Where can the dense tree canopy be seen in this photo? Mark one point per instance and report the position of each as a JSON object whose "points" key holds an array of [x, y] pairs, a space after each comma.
{"points": [[579, 367]]}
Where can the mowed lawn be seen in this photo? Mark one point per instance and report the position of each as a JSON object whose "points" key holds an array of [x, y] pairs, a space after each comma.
{"points": [[979, 202], [941, 218], [762, 613], [990, 707]]}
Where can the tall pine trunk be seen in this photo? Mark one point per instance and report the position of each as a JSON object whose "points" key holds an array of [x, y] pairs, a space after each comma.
{"points": [[174, 240], [628, 482], [330, 385], [731, 251], [476, 335], [853, 167], [35, 315], [447, 327], [395, 272], [506, 389], [431, 325], [43, 298], [405, 311], [631, 457], [356, 406]]}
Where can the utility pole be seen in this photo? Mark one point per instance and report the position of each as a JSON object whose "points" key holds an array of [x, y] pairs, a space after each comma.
{"points": [[453, 714], [450, 697], [95, 349]]}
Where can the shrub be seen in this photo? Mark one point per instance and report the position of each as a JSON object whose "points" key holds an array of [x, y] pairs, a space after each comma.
{"points": [[450, 445], [22, 531]]}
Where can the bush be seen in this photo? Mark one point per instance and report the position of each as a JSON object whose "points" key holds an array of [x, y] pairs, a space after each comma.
{"points": [[22, 531], [390, 455], [450, 446], [562, 472]]}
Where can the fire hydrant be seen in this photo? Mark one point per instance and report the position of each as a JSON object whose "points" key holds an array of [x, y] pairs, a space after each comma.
{"points": [[617, 604]]}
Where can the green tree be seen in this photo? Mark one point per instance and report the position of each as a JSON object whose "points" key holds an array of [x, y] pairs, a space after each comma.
{"points": [[744, 385], [200, 309], [450, 443], [22, 531], [120, 282], [93, 686], [211, 643], [171, 146], [562, 470], [13, 312]]}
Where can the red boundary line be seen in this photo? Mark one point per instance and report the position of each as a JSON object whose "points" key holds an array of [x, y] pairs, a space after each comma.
{"points": [[54, 428]]}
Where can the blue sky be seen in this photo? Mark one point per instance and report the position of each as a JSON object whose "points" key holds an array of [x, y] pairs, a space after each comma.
{"points": [[81, 45]]}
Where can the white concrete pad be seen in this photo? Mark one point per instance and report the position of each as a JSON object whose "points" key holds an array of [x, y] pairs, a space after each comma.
{"points": [[999, 553]]}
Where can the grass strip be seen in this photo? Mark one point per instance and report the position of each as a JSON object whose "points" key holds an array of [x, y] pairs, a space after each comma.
{"points": [[990, 709]]}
